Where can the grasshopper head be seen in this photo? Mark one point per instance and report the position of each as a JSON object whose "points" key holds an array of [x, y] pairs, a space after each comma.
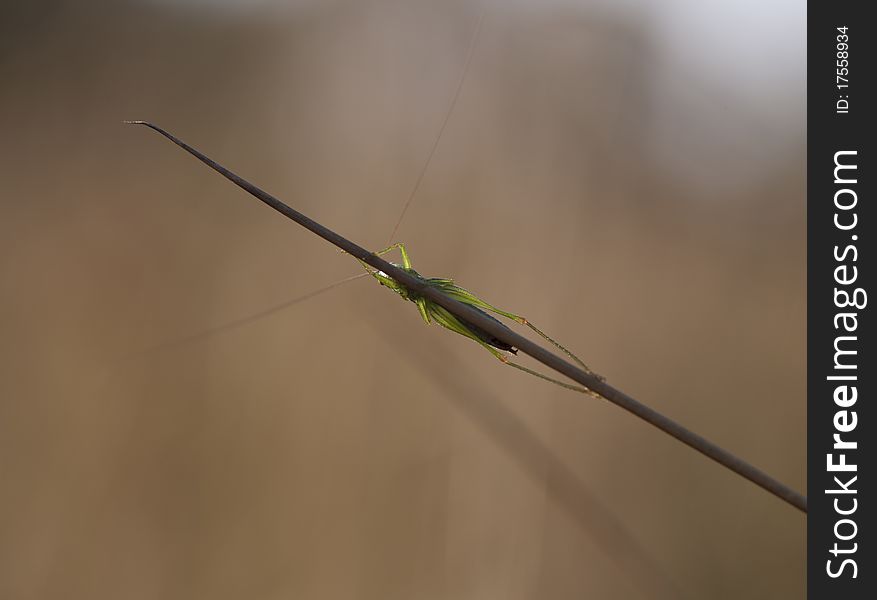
{"points": [[391, 283]]}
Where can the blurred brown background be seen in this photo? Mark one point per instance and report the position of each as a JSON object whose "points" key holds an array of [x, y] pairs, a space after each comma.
{"points": [[628, 175]]}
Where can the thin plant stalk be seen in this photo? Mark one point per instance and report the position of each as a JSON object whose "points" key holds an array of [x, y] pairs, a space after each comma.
{"points": [[500, 332]]}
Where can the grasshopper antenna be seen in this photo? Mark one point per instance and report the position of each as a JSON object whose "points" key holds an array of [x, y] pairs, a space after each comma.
{"points": [[438, 138], [500, 332], [207, 333], [204, 334]]}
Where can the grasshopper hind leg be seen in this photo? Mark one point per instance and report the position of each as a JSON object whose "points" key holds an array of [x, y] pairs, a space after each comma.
{"points": [[543, 335], [557, 345], [507, 361], [471, 299], [568, 386]]}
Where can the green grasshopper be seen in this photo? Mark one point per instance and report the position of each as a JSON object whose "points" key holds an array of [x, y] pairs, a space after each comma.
{"points": [[432, 312], [429, 310]]}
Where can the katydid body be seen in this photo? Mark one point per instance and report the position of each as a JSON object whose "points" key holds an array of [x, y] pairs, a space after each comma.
{"points": [[429, 310], [432, 312]]}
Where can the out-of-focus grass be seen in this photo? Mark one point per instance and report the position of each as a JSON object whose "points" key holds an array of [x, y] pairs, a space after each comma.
{"points": [[277, 460]]}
